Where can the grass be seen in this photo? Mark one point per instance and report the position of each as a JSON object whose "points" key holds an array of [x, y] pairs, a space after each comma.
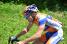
{"points": [[12, 22]]}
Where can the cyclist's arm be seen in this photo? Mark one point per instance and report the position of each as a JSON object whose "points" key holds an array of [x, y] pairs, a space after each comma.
{"points": [[25, 30], [36, 35]]}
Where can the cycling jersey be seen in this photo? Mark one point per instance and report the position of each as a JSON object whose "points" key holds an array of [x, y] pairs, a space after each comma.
{"points": [[52, 36], [48, 21]]}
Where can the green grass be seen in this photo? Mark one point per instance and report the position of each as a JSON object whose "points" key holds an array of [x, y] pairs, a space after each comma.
{"points": [[12, 22]]}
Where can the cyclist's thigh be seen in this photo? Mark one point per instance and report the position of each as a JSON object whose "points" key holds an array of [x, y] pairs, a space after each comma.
{"points": [[37, 42], [54, 39]]}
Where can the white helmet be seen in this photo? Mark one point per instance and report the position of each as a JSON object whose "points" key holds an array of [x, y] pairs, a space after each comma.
{"points": [[32, 7]]}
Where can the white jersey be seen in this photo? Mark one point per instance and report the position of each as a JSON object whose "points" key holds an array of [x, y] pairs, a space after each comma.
{"points": [[50, 22]]}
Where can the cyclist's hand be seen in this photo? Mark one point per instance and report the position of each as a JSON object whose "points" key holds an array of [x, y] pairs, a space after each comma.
{"points": [[21, 42]]}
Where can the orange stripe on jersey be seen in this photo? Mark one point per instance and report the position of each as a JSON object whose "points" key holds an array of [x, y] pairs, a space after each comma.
{"points": [[49, 41], [51, 29]]}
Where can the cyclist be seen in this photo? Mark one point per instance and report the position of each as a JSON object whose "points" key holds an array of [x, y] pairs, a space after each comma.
{"points": [[51, 27]]}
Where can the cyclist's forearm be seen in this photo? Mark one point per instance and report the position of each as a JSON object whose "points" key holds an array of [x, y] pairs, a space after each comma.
{"points": [[25, 30], [36, 35], [22, 32]]}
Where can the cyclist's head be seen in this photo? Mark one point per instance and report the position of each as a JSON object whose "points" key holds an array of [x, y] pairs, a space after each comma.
{"points": [[31, 10]]}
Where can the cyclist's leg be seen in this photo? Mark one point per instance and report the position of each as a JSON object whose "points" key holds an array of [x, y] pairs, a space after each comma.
{"points": [[37, 42], [54, 39], [40, 40]]}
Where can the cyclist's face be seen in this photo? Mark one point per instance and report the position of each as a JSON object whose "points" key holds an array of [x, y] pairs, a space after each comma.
{"points": [[34, 14], [30, 15]]}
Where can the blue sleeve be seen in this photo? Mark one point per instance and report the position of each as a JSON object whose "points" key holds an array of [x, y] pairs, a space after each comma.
{"points": [[42, 21]]}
